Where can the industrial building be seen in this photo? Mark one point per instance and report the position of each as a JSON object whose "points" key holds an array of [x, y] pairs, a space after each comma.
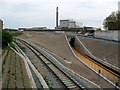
{"points": [[39, 28], [1, 24], [33, 29], [67, 24]]}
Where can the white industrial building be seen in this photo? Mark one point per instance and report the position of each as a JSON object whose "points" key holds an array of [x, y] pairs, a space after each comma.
{"points": [[67, 24], [119, 6]]}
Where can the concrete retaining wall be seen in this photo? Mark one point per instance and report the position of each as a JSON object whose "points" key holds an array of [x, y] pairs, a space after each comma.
{"points": [[80, 48], [78, 45], [111, 35]]}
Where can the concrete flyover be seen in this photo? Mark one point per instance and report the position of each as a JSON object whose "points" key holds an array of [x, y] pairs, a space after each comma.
{"points": [[57, 44]]}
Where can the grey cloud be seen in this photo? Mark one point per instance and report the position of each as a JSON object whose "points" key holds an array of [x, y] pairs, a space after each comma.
{"points": [[42, 12]]}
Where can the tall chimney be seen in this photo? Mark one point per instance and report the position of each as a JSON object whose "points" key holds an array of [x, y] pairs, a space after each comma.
{"points": [[57, 18]]}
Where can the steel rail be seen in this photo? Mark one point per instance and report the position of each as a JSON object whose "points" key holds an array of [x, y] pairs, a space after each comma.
{"points": [[62, 76]]}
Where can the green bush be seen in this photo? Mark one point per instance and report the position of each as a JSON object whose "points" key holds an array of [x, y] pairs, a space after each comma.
{"points": [[83, 32], [21, 47], [12, 45], [6, 38]]}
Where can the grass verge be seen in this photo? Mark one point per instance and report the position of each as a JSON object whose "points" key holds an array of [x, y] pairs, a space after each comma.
{"points": [[21, 47], [22, 73], [15, 71], [9, 78], [46, 80], [3, 51], [12, 45], [3, 64]]}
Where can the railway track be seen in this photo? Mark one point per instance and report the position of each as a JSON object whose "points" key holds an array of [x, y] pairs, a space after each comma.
{"points": [[67, 80]]}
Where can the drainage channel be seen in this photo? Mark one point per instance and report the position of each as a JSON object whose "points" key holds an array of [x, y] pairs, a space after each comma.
{"points": [[49, 77]]}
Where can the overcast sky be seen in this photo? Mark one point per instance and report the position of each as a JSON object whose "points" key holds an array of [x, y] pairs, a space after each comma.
{"points": [[31, 13]]}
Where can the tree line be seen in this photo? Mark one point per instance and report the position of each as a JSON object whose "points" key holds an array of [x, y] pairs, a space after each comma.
{"points": [[6, 38], [112, 22]]}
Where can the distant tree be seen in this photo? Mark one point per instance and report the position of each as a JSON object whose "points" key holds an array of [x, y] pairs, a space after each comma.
{"points": [[118, 20], [82, 32], [112, 22], [98, 29]]}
